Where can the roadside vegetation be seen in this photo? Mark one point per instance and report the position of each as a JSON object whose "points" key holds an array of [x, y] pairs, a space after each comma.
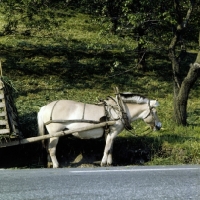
{"points": [[79, 59]]}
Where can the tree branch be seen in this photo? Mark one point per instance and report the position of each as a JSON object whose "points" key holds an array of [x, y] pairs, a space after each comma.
{"points": [[188, 14]]}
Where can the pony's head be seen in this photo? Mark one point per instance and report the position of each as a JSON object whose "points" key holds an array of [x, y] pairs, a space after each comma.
{"points": [[152, 118], [148, 112]]}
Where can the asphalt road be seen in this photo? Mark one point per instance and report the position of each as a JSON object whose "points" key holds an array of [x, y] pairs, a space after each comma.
{"points": [[135, 183]]}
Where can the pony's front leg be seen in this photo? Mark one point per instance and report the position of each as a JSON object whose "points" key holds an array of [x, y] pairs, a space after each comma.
{"points": [[107, 156], [52, 151]]}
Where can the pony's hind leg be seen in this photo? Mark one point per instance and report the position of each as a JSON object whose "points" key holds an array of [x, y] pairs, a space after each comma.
{"points": [[45, 154], [52, 151]]}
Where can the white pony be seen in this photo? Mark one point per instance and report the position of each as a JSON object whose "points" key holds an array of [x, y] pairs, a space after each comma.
{"points": [[66, 114]]}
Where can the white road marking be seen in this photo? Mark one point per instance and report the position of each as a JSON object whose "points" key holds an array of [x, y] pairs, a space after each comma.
{"points": [[134, 170]]}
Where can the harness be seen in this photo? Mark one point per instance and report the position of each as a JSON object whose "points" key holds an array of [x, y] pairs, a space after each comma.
{"points": [[73, 120], [117, 108], [120, 103], [150, 109]]}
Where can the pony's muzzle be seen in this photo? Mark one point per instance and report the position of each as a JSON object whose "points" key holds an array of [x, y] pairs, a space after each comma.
{"points": [[158, 126]]}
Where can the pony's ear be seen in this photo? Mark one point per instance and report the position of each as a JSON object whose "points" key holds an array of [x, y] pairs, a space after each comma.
{"points": [[154, 103]]}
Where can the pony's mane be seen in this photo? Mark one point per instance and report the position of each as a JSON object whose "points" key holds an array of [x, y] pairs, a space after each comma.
{"points": [[134, 98]]}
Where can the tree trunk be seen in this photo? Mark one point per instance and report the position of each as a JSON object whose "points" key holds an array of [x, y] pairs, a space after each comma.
{"points": [[182, 86], [181, 91], [181, 99]]}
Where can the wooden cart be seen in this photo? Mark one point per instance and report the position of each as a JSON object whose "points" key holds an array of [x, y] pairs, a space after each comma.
{"points": [[9, 126]]}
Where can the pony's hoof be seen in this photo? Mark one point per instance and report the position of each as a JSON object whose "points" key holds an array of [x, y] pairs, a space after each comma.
{"points": [[103, 164], [49, 165]]}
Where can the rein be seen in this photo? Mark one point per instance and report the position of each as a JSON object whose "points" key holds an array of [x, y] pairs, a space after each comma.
{"points": [[136, 135]]}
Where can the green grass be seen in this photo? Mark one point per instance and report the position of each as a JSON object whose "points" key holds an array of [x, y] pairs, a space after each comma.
{"points": [[78, 61]]}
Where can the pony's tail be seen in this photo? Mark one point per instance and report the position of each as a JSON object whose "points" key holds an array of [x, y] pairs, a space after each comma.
{"points": [[41, 127]]}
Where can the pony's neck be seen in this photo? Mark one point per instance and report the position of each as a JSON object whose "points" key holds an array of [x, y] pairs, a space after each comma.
{"points": [[136, 111]]}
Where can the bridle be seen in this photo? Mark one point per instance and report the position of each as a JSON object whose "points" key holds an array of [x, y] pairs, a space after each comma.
{"points": [[153, 116], [124, 117], [150, 111]]}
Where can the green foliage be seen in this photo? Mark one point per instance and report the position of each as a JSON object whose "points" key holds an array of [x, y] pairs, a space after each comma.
{"points": [[26, 16]]}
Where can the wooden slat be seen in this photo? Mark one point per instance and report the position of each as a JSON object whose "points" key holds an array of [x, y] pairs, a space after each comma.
{"points": [[2, 96], [4, 131], [2, 105], [3, 122], [3, 114]]}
